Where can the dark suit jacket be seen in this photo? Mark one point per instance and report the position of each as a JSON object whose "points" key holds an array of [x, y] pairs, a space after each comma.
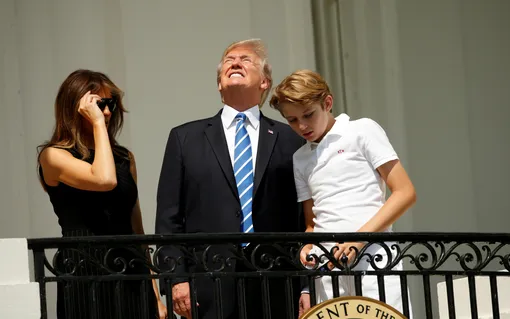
{"points": [[197, 192]]}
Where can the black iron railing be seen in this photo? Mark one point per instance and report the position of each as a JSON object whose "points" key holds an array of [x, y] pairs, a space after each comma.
{"points": [[103, 266]]}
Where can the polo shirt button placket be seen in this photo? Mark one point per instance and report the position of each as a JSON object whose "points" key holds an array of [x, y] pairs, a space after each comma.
{"points": [[319, 152]]}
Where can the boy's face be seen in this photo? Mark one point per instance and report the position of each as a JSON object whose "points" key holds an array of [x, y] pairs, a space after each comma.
{"points": [[311, 122]]}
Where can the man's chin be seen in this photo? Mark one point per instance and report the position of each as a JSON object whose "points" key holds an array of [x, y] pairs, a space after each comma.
{"points": [[235, 84], [234, 88]]}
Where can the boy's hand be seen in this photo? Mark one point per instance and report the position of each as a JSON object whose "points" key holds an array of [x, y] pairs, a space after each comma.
{"points": [[346, 253], [303, 256]]}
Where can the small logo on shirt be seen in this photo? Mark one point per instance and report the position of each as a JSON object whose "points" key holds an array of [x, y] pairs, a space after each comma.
{"points": [[269, 131], [340, 151]]}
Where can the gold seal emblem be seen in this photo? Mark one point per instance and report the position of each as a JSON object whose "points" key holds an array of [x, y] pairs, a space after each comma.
{"points": [[353, 308]]}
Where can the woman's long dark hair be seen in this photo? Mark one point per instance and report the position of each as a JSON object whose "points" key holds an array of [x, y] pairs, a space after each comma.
{"points": [[68, 132]]}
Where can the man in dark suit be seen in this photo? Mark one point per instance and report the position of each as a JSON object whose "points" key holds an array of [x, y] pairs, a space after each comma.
{"points": [[225, 174]]}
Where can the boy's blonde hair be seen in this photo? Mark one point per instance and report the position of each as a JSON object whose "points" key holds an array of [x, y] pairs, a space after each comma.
{"points": [[303, 87]]}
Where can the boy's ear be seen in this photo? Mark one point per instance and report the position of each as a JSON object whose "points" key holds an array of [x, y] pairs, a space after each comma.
{"points": [[328, 103]]}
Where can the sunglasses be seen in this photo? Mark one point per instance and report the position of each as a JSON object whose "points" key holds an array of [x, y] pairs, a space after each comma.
{"points": [[110, 102]]}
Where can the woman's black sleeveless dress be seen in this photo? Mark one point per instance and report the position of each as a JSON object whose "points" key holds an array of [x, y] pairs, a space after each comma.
{"points": [[90, 213]]}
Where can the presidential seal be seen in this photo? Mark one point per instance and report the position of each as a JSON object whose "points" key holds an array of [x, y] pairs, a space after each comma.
{"points": [[353, 308]]}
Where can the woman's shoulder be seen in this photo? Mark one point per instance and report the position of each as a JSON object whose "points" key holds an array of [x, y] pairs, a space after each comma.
{"points": [[55, 151], [51, 158]]}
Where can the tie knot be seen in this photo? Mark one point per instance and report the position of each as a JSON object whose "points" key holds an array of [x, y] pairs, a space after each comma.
{"points": [[241, 117]]}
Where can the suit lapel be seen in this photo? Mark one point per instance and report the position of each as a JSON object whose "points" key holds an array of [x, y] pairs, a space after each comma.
{"points": [[216, 137], [267, 140]]}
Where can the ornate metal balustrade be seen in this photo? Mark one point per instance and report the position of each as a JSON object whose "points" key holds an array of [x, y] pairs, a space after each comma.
{"points": [[92, 261]]}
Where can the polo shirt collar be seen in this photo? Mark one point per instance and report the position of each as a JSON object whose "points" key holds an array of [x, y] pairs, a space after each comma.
{"points": [[338, 128]]}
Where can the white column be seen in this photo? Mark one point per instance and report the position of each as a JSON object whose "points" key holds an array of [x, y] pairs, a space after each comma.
{"points": [[14, 197], [19, 298]]}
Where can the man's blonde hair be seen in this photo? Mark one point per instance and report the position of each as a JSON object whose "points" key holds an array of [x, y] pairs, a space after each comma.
{"points": [[303, 87], [257, 46]]}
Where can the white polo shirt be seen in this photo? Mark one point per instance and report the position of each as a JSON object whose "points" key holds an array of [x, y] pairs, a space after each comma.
{"points": [[339, 174]]}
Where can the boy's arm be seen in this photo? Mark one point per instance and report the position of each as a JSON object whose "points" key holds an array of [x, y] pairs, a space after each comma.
{"points": [[378, 150], [304, 196], [304, 300], [403, 196], [308, 211]]}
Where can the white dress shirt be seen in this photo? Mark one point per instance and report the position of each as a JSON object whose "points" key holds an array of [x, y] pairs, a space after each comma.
{"points": [[252, 126]]}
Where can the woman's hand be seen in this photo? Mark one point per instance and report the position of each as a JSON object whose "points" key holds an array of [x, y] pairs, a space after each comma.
{"points": [[163, 312], [89, 110]]}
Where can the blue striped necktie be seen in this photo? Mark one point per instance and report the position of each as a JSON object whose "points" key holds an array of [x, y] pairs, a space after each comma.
{"points": [[243, 170]]}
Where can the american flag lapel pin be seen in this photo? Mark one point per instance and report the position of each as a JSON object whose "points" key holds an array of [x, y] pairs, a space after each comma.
{"points": [[269, 131]]}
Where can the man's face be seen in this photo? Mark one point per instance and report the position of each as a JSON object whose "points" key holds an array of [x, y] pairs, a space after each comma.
{"points": [[241, 69]]}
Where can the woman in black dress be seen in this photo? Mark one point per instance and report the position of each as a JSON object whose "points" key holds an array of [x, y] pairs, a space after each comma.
{"points": [[91, 182]]}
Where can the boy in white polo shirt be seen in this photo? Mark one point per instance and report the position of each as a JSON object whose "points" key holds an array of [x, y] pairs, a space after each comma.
{"points": [[340, 176]]}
